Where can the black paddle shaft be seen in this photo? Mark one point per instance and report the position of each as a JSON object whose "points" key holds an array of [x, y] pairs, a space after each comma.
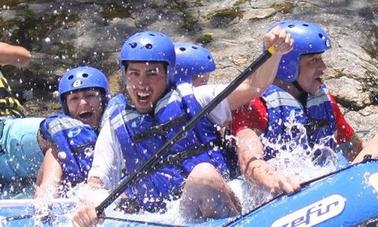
{"points": [[208, 108]]}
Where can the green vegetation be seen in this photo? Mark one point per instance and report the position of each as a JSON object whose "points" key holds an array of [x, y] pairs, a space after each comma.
{"points": [[232, 12], [372, 51], [239, 2], [198, 3], [285, 7], [112, 11], [188, 21], [28, 28], [205, 39], [340, 73], [10, 3]]}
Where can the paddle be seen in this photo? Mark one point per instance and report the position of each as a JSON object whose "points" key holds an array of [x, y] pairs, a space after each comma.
{"points": [[210, 106]]}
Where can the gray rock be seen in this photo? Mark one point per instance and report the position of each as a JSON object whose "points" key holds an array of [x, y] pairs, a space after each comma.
{"points": [[64, 34]]}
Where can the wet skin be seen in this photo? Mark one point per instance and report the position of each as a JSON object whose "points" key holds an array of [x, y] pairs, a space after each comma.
{"points": [[311, 70], [146, 82], [86, 106]]}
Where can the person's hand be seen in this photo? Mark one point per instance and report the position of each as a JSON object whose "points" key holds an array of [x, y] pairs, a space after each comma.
{"points": [[85, 216], [276, 182], [264, 174], [14, 55], [280, 40], [279, 183], [23, 56], [89, 195]]}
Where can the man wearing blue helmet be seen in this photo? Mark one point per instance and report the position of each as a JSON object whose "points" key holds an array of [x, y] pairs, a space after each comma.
{"points": [[193, 64], [297, 97], [20, 155], [68, 139], [152, 114]]}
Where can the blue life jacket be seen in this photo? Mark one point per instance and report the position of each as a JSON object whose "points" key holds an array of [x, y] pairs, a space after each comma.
{"points": [[142, 135], [317, 119], [117, 101], [75, 142]]}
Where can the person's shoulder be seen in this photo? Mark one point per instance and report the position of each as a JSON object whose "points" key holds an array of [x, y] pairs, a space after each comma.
{"points": [[209, 89], [332, 98], [118, 98]]}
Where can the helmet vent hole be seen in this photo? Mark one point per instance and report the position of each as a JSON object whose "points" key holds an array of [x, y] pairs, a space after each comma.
{"points": [[321, 36], [182, 48], [291, 25], [148, 46], [209, 58], [133, 45], [85, 75], [70, 77], [194, 47], [306, 25], [151, 34]]}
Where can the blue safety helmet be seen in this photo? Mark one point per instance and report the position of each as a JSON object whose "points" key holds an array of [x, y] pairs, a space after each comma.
{"points": [[191, 60], [82, 77], [308, 38], [149, 46]]}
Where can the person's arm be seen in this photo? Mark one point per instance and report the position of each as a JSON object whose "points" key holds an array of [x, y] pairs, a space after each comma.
{"points": [[14, 55], [345, 134], [104, 173], [256, 169], [50, 172], [248, 121], [255, 84], [107, 160]]}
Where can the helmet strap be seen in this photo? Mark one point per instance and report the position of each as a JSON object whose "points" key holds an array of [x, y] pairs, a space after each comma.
{"points": [[303, 94]]}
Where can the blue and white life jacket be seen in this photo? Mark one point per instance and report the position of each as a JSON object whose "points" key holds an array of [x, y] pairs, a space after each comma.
{"points": [[285, 114], [117, 101], [75, 142], [142, 135]]}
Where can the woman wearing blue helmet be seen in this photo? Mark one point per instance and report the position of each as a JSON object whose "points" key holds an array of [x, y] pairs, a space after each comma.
{"points": [[68, 139], [153, 113], [297, 95], [193, 64]]}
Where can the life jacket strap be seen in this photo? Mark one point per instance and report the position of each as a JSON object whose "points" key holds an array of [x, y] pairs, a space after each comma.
{"points": [[177, 158], [2, 122], [159, 130]]}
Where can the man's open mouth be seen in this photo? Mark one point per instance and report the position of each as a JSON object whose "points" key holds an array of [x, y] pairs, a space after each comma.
{"points": [[143, 96], [85, 115]]}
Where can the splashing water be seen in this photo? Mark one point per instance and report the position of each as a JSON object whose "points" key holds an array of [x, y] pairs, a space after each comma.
{"points": [[299, 164]]}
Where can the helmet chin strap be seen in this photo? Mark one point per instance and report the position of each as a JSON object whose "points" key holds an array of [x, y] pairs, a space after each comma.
{"points": [[297, 86], [303, 96]]}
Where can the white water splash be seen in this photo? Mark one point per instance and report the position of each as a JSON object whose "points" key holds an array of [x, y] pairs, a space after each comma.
{"points": [[299, 164]]}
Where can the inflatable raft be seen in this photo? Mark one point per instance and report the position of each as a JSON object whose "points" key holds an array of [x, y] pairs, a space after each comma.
{"points": [[347, 197]]}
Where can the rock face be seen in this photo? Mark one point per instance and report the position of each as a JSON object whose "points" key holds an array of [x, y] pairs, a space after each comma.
{"points": [[62, 34]]}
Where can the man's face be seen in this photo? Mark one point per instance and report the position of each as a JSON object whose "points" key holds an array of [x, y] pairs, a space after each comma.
{"points": [[86, 106], [311, 69], [146, 82]]}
